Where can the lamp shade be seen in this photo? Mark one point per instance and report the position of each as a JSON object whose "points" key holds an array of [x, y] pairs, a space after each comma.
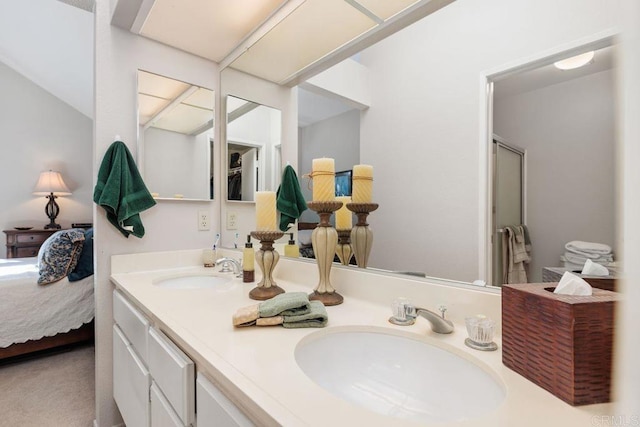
{"points": [[51, 182]]}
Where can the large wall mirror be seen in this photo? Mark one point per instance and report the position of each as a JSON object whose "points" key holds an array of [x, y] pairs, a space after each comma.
{"points": [[421, 130], [253, 155], [175, 138]]}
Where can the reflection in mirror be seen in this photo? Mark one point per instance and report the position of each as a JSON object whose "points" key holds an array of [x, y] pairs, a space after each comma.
{"points": [[253, 148], [584, 124], [175, 139]]}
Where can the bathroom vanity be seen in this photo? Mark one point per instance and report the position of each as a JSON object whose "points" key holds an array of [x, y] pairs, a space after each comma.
{"points": [[178, 359]]}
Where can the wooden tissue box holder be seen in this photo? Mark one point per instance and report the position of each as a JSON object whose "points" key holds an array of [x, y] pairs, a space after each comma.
{"points": [[562, 343]]}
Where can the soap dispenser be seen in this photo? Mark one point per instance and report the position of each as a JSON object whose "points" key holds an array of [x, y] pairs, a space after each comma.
{"points": [[248, 261], [291, 249]]}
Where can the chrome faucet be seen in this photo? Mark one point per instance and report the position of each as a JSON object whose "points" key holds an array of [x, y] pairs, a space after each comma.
{"points": [[404, 314], [235, 269]]}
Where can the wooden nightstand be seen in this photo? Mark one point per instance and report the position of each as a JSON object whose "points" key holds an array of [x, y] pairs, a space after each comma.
{"points": [[25, 243]]}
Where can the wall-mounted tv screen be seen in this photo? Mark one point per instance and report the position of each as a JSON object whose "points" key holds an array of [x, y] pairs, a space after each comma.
{"points": [[343, 183]]}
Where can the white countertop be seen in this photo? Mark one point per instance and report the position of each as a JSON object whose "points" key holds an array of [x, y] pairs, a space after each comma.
{"points": [[256, 367]]}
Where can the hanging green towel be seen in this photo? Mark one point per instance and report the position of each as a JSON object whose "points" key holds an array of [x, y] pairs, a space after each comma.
{"points": [[285, 304], [121, 191], [316, 318], [290, 202]]}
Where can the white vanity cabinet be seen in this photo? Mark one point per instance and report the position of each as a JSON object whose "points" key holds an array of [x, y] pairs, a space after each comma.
{"points": [[153, 380], [215, 409]]}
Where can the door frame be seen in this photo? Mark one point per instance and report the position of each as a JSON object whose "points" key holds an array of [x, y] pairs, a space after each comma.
{"points": [[486, 80]]}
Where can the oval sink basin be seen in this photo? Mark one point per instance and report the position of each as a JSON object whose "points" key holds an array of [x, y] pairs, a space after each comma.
{"points": [[221, 283], [398, 376]]}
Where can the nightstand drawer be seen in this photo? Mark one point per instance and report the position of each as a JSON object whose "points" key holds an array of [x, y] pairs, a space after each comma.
{"points": [[26, 252], [31, 238]]}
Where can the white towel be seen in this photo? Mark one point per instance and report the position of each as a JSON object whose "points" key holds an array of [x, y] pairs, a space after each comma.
{"points": [[588, 247], [581, 259]]}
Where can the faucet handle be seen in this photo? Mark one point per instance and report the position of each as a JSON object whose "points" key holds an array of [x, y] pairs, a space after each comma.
{"points": [[443, 309], [403, 312]]}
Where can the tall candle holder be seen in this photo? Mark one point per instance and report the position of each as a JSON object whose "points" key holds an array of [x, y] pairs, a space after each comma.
{"points": [[324, 240], [343, 248], [361, 234], [266, 258]]}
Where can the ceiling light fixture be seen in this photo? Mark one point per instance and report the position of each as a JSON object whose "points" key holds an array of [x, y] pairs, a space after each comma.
{"points": [[575, 61]]}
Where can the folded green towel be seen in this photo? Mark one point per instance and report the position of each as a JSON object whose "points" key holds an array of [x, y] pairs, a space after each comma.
{"points": [[285, 304], [290, 202], [316, 318], [121, 191]]}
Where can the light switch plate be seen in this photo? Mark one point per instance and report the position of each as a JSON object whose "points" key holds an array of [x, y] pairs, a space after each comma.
{"points": [[232, 220]]}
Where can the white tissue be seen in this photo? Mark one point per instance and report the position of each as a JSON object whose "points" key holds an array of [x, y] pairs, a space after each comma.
{"points": [[570, 284], [594, 269]]}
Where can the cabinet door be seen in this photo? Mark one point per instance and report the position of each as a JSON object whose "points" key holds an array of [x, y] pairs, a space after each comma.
{"points": [[215, 409], [162, 414], [173, 372], [132, 323], [131, 382]]}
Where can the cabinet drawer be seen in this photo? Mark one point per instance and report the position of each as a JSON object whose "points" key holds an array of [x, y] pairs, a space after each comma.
{"points": [[162, 414], [132, 323], [131, 382], [34, 238], [215, 409], [173, 372], [26, 252]]}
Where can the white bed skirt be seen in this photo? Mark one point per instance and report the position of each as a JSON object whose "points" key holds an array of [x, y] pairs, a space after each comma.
{"points": [[29, 311]]}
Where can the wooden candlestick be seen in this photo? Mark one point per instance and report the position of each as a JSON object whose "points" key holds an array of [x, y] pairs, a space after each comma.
{"points": [[267, 258], [361, 234], [324, 240]]}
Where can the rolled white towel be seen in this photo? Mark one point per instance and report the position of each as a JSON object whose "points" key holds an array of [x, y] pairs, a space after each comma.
{"points": [[588, 247], [581, 259]]}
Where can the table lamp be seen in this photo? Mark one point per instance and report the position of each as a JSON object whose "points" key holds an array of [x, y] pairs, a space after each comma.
{"points": [[51, 185]]}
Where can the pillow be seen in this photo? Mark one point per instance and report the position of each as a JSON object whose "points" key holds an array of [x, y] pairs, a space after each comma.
{"points": [[59, 255], [85, 261]]}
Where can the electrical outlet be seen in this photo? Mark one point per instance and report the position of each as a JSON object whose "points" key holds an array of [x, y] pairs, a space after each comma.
{"points": [[232, 220], [203, 221]]}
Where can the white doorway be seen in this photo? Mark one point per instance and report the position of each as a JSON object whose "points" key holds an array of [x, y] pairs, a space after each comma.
{"points": [[569, 191]]}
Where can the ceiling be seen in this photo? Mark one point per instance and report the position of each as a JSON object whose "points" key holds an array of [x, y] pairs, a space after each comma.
{"points": [[173, 105], [548, 75], [283, 41]]}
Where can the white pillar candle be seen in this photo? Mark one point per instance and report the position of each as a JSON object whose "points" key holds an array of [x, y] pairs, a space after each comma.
{"points": [[344, 220], [362, 183], [266, 211], [323, 172]]}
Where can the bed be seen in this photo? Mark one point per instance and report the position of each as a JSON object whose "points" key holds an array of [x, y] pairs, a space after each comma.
{"points": [[35, 316]]}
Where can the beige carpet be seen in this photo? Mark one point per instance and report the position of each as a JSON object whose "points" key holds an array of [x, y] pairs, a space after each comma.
{"points": [[50, 391]]}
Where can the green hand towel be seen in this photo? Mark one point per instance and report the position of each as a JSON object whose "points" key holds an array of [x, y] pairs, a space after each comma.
{"points": [[285, 304], [316, 318], [290, 202], [121, 191]]}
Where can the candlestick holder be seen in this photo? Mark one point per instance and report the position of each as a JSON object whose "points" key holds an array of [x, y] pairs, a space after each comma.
{"points": [[343, 248], [324, 240], [361, 234], [266, 258]]}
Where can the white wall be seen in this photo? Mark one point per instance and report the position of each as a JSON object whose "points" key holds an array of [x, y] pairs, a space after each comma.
{"points": [[627, 368], [41, 132], [568, 130], [169, 225], [51, 43], [285, 99], [337, 137], [422, 132], [176, 163]]}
